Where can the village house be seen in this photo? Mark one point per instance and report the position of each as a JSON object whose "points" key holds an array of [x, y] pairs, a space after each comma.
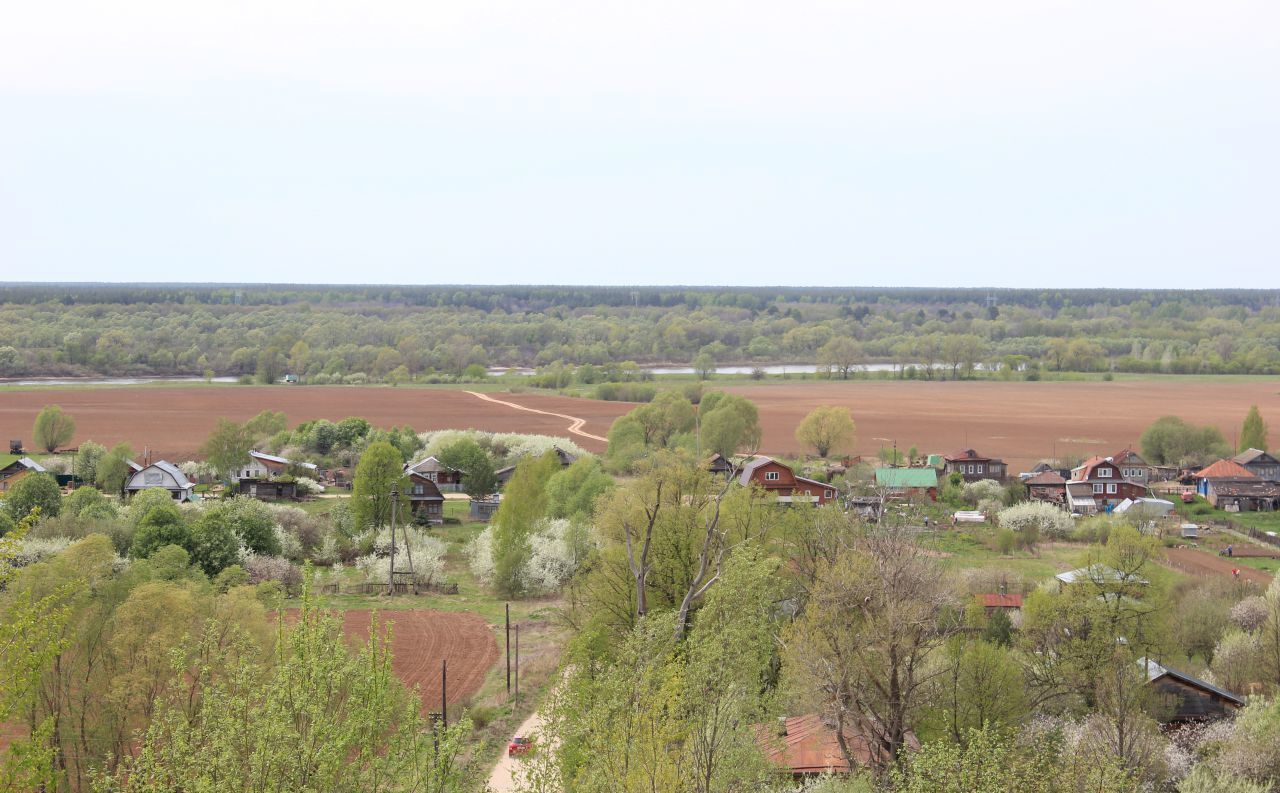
{"points": [[720, 465], [1107, 481], [447, 478], [17, 470], [1183, 699], [503, 475], [906, 483], [268, 489], [807, 746], [1133, 467], [426, 502], [973, 466], [164, 475], [1259, 463], [781, 481], [264, 466], [1229, 486], [1048, 486]]}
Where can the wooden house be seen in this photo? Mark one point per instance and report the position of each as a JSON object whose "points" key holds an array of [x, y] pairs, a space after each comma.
{"points": [[1046, 486], [164, 475], [1228, 485], [18, 470], [807, 746], [905, 483], [447, 478], [1107, 482], [1183, 699], [719, 465], [781, 481], [503, 475], [973, 466], [999, 601], [1259, 463], [425, 499], [263, 466], [1133, 467], [268, 489]]}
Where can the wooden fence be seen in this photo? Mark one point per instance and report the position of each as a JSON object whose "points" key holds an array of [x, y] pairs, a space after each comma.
{"points": [[1260, 536], [378, 587]]}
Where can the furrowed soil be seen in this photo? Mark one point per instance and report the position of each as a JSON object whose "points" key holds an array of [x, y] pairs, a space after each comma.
{"points": [[1197, 562], [1020, 422], [174, 422]]}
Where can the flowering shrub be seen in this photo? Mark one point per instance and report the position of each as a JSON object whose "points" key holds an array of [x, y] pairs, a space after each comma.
{"points": [[1037, 515]]}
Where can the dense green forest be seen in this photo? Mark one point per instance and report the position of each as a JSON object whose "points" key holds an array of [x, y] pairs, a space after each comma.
{"points": [[359, 333]]}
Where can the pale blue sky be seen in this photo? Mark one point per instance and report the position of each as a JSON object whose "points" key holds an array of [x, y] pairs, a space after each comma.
{"points": [[993, 142]]}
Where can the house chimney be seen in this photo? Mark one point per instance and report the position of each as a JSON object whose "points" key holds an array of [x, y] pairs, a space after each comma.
{"points": [[782, 726]]}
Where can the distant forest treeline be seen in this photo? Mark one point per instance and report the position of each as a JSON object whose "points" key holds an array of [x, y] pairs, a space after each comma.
{"points": [[354, 333]]}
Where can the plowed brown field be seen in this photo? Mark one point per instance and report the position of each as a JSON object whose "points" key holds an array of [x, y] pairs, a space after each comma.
{"points": [[1021, 422], [1197, 562], [421, 639], [173, 422]]}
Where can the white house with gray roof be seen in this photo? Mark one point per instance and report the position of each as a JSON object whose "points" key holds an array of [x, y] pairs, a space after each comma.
{"points": [[163, 475]]}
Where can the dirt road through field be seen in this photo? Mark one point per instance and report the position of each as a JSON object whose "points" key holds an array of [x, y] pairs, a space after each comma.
{"points": [[575, 423]]}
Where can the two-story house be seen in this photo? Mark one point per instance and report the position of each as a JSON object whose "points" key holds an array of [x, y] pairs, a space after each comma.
{"points": [[1259, 463], [425, 499], [973, 466], [265, 466], [1107, 481], [1133, 467], [780, 480], [445, 477]]}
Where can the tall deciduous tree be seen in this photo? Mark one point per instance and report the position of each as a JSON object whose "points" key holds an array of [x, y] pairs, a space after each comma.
{"points": [[227, 447], [840, 356], [31, 492], [1253, 433], [53, 428], [113, 470], [826, 429], [524, 502], [381, 469], [865, 641], [728, 424], [87, 459]]}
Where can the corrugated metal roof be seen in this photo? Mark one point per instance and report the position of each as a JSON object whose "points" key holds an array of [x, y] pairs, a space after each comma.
{"points": [[1225, 469], [907, 477], [998, 601], [1155, 671]]}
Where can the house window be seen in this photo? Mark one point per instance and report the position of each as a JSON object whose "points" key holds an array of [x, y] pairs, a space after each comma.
{"points": [[979, 467], [1111, 487], [970, 467], [807, 493], [431, 476], [771, 476], [1105, 473], [828, 494], [418, 490], [1097, 488]]}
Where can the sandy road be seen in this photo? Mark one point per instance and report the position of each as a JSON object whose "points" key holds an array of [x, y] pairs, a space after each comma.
{"points": [[503, 778], [575, 423]]}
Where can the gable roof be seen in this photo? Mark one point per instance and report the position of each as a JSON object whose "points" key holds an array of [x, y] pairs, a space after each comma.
{"points": [[1246, 489], [997, 601], [966, 455], [1224, 469], [271, 458], [809, 745], [751, 465], [29, 464], [172, 470], [1128, 457], [1045, 478], [1155, 671], [1254, 456], [815, 483], [907, 477], [431, 464]]}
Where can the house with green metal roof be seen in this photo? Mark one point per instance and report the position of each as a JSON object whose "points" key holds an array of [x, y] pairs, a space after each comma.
{"points": [[908, 482]]}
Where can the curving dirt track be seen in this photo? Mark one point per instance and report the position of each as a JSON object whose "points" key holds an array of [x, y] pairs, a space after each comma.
{"points": [[575, 423], [1190, 560], [173, 421]]}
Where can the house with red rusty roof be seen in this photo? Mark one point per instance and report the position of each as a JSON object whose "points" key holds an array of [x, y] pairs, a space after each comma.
{"points": [[973, 466], [805, 746], [1106, 482], [1046, 486], [780, 480], [1228, 485]]}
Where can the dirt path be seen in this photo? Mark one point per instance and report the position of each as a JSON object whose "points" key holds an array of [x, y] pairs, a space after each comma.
{"points": [[575, 423], [503, 779], [1190, 560]]}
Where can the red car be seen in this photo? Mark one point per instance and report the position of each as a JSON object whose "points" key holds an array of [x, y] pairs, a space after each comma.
{"points": [[519, 745]]}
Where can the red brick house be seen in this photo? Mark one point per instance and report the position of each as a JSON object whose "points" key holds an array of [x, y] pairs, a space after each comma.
{"points": [[778, 479], [1107, 482], [973, 466]]}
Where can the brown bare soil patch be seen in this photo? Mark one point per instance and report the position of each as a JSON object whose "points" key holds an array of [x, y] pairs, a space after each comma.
{"points": [[421, 639], [1190, 560], [173, 422], [1020, 422]]}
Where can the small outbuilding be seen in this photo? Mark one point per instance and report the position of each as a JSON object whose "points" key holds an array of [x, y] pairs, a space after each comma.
{"points": [[1183, 699]]}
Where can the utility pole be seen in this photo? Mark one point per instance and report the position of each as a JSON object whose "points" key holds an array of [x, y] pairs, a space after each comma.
{"points": [[508, 648], [517, 660], [391, 568], [444, 691]]}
